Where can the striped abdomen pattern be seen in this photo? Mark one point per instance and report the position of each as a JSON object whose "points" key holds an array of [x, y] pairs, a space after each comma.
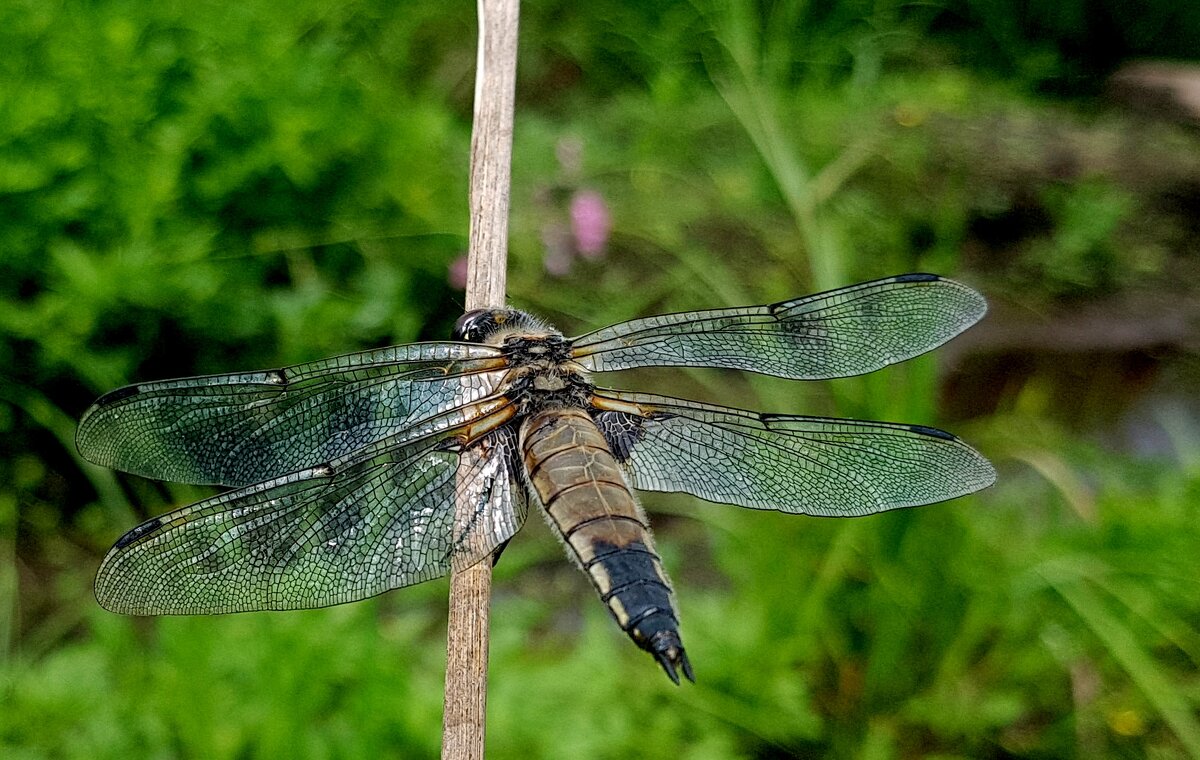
{"points": [[588, 502]]}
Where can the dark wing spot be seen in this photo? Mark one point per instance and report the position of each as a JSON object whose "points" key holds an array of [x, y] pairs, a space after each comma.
{"points": [[145, 528], [917, 277], [119, 394], [933, 432]]}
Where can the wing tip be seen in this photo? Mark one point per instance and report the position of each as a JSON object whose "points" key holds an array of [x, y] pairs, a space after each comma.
{"points": [[987, 473], [84, 443], [974, 305], [108, 593], [977, 304], [983, 472]]}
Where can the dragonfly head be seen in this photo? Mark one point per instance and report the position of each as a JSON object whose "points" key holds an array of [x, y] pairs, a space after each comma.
{"points": [[492, 326]]}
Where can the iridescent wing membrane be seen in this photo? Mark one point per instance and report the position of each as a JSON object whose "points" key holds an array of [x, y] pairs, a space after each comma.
{"points": [[339, 532], [844, 332], [350, 468], [809, 465], [351, 464], [240, 429]]}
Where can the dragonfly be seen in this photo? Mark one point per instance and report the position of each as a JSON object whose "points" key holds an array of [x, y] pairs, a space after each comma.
{"points": [[358, 474]]}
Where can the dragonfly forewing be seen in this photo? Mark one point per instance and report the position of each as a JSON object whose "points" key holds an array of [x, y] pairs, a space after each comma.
{"points": [[839, 333], [244, 428]]}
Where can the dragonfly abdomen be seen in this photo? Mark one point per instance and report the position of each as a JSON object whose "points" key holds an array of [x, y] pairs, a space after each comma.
{"points": [[589, 504]]}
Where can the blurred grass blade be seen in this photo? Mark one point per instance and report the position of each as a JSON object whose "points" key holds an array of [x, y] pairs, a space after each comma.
{"points": [[62, 426], [1167, 699], [8, 574], [751, 78], [1060, 475], [1156, 616], [833, 569]]}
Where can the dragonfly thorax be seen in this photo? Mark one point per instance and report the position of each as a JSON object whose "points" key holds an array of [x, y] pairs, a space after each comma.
{"points": [[542, 375], [537, 387]]}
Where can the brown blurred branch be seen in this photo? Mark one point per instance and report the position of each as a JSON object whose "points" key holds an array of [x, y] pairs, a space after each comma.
{"points": [[1133, 322]]}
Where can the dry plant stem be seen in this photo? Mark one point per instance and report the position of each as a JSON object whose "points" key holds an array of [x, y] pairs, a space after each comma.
{"points": [[491, 152], [491, 165]]}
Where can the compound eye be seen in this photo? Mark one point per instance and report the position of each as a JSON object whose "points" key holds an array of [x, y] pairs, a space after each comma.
{"points": [[474, 326]]}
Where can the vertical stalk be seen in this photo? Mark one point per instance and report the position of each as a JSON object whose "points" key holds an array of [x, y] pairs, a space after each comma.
{"points": [[463, 727]]}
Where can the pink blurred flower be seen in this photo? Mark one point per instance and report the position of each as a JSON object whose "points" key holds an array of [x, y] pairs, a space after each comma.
{"points": [[456, 273], [590, 223]]}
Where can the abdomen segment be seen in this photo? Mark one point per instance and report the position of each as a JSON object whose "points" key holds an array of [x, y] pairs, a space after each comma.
{"points": [[595, 513]]}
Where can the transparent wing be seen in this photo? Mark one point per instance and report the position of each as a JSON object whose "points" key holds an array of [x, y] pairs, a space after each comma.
{"points": [[808, 465], [335, 533], [244, 428], [839, 333]]}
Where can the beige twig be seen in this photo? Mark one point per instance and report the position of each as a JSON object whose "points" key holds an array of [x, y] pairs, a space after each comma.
{"points": [[491, 169]]}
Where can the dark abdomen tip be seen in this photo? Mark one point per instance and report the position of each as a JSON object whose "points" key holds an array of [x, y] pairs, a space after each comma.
{"points": [[667, 648]]}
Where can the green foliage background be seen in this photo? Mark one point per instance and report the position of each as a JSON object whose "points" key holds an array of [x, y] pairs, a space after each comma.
{"points": [[203, 187]]}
